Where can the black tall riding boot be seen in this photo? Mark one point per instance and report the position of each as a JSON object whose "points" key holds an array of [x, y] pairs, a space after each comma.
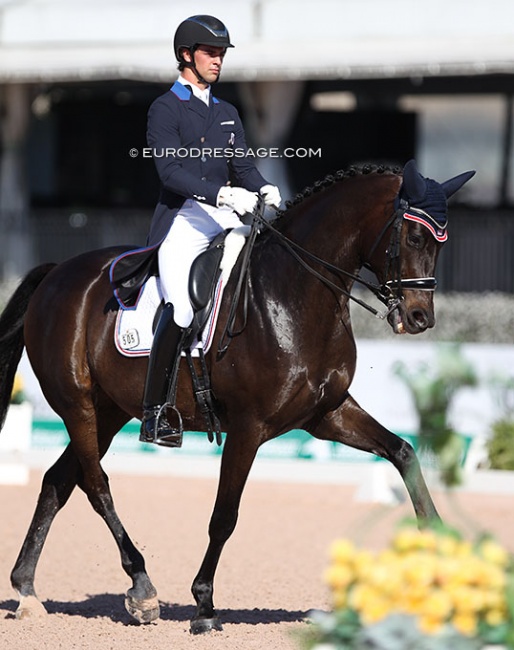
{"points": [[162, 366]]}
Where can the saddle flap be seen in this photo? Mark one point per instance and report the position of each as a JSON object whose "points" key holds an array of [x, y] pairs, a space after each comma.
{"points": [[204, 274]]}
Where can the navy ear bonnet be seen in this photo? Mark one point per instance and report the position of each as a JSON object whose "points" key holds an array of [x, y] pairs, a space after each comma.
{"points": [[427, 195]]}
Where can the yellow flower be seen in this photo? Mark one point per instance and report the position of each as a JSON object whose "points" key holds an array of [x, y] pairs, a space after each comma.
{"points": [[430, 625], [494, 553], [385, 577], [411, 602], [342, 551], [464, 549], [495, 617], [405, 540], [494, 599], [339, 599], [465, 623], [363, 563], [438, 604], [17, 390], [427, 540], [360, 595], [375, 609], [411, 539], [447, 545], [421, 569], [338, 576], [494, 578], [466, 600]]}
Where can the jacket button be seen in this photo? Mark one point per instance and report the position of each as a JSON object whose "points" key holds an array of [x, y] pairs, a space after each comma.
{"points": [[202, 139], [203, 178]]}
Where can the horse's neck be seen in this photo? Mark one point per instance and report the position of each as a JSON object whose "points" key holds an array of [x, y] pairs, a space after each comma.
{"points": [[328, 231], [338, 225]]}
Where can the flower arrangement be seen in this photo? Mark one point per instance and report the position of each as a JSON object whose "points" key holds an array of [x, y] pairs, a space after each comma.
{"points": [[18, 390], [431, 589]]}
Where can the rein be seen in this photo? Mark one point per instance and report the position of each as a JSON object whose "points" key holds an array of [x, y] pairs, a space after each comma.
{"points": [[389, 293]]}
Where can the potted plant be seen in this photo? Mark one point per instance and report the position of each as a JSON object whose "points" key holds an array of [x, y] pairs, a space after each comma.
{"points": [[429, 590]]}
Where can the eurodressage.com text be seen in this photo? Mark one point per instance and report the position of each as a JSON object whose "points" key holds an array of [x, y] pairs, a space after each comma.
{"points": [[221, 152]]}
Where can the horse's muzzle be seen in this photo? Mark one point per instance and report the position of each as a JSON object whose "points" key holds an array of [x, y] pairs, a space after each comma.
{"points": [[413, 319]]}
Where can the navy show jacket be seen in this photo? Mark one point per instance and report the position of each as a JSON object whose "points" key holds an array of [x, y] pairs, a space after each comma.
{"points": [[196, 150]]}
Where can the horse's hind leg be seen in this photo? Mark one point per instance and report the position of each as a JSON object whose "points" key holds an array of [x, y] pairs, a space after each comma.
{"points": [[141, 601], [353, 426], [238, 456], [58, 484]]}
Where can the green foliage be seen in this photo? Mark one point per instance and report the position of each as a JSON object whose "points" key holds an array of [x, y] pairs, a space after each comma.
{"points": [[433, 387], [500, 445]]}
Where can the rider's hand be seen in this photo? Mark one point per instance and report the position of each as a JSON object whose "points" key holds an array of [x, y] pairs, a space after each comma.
{"points": [[271, 195], [237, 198]]}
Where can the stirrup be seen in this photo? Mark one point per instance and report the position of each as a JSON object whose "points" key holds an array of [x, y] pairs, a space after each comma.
{"points": [[156, 429]]}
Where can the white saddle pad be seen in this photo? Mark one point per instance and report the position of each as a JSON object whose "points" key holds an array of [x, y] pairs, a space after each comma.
{"points": [[133, 334]]}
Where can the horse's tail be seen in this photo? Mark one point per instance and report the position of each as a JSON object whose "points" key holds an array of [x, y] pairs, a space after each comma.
{"points": [[12, 341]]}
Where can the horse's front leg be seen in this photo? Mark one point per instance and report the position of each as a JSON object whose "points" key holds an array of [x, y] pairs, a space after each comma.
{"points": [[237, 460], [353, 426]]}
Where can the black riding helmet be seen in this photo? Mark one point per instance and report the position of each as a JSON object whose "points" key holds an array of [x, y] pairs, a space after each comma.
{"points": [[200, 30]]}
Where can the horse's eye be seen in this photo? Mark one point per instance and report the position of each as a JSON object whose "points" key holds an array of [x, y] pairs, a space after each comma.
{"points": [[416, 241]]}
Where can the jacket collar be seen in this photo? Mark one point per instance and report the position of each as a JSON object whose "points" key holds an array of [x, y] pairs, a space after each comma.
{"points": [[183, 93]]}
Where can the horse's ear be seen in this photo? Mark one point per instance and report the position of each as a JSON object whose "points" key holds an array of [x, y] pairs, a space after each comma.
{"points": [[414, 185], [454, 184]]}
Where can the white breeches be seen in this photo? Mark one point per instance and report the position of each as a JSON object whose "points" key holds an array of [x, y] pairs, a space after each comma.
{"points": [[191, 232]]}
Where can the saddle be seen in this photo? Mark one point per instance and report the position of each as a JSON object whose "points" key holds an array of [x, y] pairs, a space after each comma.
{"points": [[203, 280]]}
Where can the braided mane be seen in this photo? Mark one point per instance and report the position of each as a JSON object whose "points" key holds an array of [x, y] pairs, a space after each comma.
{"points": [[337, 176]]}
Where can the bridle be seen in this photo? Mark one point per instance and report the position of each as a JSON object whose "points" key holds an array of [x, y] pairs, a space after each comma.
{"points": [[390, 292]]}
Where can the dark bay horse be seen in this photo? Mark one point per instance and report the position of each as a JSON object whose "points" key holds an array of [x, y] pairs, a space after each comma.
{"points": [[290, 368]]}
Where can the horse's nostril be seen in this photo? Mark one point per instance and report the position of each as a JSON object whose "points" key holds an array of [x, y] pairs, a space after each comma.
{"points": [[419, 316]]}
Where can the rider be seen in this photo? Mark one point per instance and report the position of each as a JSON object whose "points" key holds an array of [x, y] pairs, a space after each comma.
{"points": [[193, 136]]}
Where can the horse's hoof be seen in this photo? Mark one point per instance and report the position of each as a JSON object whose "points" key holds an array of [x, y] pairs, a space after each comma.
{"points": [[30, 607], [143, 611], [204, 625]]}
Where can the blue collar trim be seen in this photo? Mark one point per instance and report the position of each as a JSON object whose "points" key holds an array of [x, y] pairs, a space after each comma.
{"points": [[184, 94]]}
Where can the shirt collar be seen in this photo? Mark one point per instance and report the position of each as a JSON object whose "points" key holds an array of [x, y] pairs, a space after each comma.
{"points": [[202, 95]]}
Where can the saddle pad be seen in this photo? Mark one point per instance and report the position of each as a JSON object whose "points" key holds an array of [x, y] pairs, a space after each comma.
{"points": [[133, 334]]}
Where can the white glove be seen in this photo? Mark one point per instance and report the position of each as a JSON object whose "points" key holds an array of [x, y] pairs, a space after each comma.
{"points": [[237, 198], [271, 195]]}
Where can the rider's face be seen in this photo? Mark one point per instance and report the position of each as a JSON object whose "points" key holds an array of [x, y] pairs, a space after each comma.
{"points": [[208, 60]]}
